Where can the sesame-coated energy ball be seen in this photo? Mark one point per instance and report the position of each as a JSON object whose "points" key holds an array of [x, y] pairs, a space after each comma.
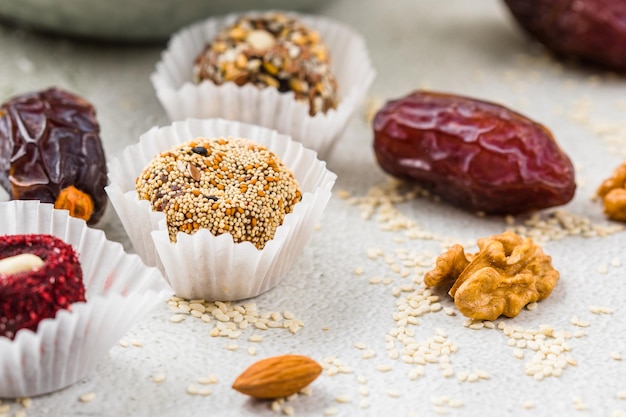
{"points": [[226, 185], [271, 50]]}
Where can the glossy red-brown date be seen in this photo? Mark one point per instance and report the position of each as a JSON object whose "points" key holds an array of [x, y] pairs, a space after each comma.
{"points": [[593, 30], [477, 155], [50, 150]]}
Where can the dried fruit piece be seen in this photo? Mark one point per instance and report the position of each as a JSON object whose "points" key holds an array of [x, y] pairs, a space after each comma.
{"points": [[594, 30], [277, 377], [478, 155], [506, 274], [613, 194], [50, 150]]}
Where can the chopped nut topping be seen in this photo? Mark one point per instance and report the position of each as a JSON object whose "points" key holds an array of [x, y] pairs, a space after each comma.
{"points": [[505, 275], [613, 194], [271, 50]]}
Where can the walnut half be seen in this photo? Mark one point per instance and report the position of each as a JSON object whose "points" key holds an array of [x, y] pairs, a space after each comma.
{"points": [[613, 194], [507, 273]]}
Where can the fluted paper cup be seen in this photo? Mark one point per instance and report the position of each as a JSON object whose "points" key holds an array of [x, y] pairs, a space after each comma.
{"points": [[182, 99], [119, 290], [203, 265]]}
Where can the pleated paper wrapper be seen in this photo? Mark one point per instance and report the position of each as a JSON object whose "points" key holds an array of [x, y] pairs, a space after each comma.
{"points": [[119, 290], [204, 266], [182, 99]]}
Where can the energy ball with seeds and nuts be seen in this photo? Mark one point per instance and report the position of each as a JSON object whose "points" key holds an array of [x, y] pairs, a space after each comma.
{"points": [[271, 50], [226, 185]]}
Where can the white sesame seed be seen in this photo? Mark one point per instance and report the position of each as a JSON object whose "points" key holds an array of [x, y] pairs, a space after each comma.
{"points": [[621, 395], [364, 391], [343, 399], [364, 403], [123, 343], [384, 368], [87, 397], [603, 270], [276, 406], [455, 403], [528, 404], [232, 347], [361, 379], [616, 356], [158, 378], [393, 393], [476, 326], [192, 389], [531, 306], [288, 410]]}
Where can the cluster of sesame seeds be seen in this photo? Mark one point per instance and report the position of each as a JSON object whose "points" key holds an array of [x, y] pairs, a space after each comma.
{"points": [[381, 201], [284, 405], [552, 349], [271, 50], [225, 185], [6, 407], [558, 224], [231, 320]]}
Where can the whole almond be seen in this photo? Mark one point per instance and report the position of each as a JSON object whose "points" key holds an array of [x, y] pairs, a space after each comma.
{"points": [[276, 377]]}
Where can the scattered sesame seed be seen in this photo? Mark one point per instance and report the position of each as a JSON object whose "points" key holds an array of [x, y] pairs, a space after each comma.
{"points": [[158, 378], [87, 397], [288, 410], [177, 318], [136, 343], [232, 347], [364, 403], [343, 399], [621, 395], [616, 356], [455, 403], [192, 389], [603, 270], [384, 368], [528, 404], [393, 393], [331, 411], [123, 343]]}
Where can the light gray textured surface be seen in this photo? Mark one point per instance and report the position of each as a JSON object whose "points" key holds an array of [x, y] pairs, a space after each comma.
{"points": [[464, 47]]}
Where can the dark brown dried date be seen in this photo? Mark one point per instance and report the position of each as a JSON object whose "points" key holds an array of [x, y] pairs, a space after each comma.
{"points": [[50, 150], [594, 30], [478, 155]]}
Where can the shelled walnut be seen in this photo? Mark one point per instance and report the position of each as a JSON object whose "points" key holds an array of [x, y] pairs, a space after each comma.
{"points": [[613, 194], [507, 273]]}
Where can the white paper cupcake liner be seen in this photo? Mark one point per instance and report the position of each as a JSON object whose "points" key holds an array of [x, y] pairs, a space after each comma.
{"points": [[120, 290], [214, 267], [182, 99]]}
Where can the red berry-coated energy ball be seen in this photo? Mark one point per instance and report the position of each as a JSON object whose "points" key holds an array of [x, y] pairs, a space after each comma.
{"points": [[39, 275]]}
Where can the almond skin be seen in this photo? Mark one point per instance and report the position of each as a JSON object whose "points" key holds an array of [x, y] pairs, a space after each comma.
{"points": [[276, 377]]}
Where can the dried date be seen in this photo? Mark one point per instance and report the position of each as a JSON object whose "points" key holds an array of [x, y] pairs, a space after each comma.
{"points": [[594, 30], [50, 150], [475, 154]]}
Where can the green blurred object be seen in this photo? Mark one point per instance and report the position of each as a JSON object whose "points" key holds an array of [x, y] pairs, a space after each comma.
{"points": [[130, 20]]}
